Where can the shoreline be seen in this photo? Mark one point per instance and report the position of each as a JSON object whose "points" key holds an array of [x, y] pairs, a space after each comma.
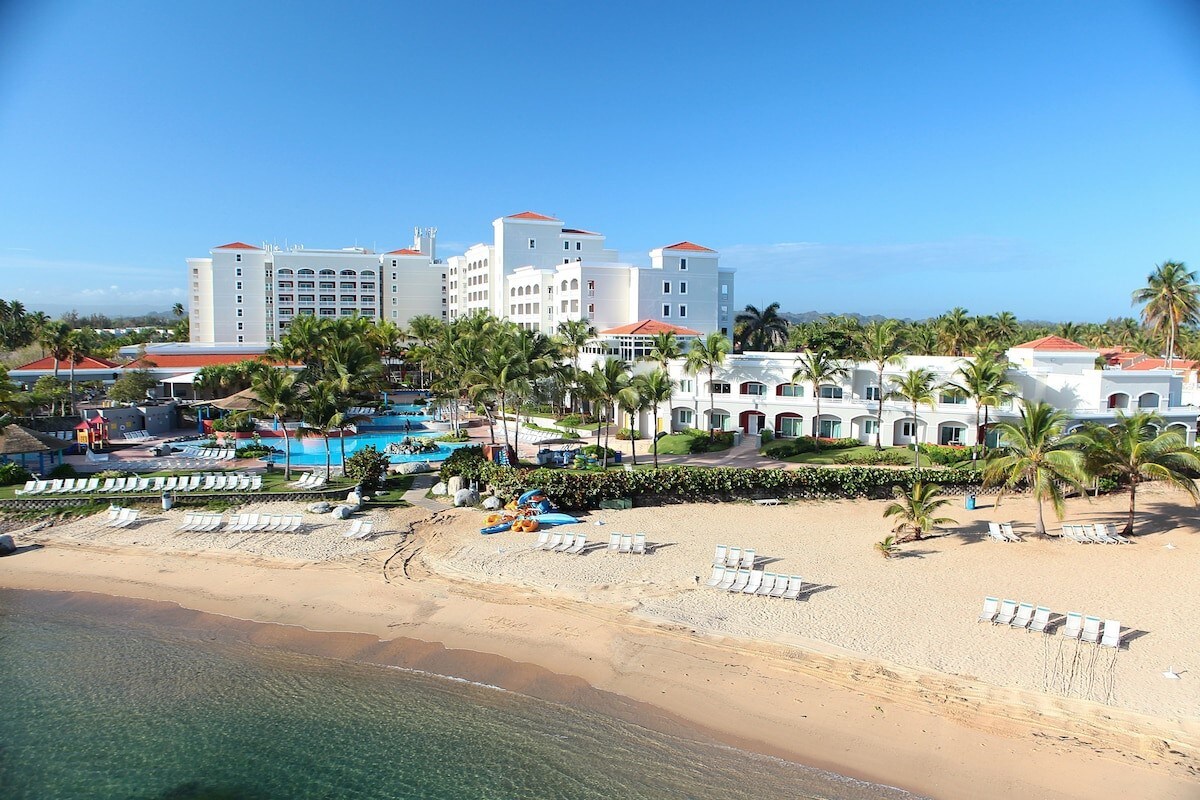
{"points": [[826, 710]]}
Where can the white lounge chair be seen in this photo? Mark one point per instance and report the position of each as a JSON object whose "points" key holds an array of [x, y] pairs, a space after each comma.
{"points": [[29, 485], [1091, 630], [1069, 532], [355, 527], [795, 584], [368, 527], [255, 483], [756, 579], [768, 584], [565, 544], [1041, 618], [639, 544], [717, 574], [128, 517], [748, 557], [1111, 532], [1074, 625], [728, 579], [1112, 634], [991, 605], [614, 542], [243, 483], [1007, 532], [119, 484], [319, 483], [553, 542], [733, 557], [190, 522], [1008, 610], [543, 537], [1023, 616], [580, 543], [294, 524], [67, 485], [626, 543], [781, 586], [1100, 531], [719, 554], [214, 522], [92, 485], [234, 524], [743, 578], [994, 532], [143, 484], [768, 501]]}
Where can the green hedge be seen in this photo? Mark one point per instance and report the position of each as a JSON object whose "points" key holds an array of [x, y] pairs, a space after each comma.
{"points": [[782, 448], [946, 455]]}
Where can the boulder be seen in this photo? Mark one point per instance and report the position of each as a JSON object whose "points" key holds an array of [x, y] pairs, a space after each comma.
{"points": [[492, 503], [466, 497], [410, 468], [440, 488], [353, 498], [320, 508], [341, 512], [7, 545], [454, 484]]}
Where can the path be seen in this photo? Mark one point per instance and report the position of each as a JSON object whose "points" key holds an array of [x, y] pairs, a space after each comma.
{"points": [[416, 495]]}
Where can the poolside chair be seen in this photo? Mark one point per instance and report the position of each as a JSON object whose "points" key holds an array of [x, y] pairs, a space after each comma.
{"points": [[543, 537], [299, 482], [1007, 532], [994, 532], [243, 483], [795, 584], [614, 542], [319, 483], [554, 541], [293, 524], [126, 519], [639, 544], [214, 521], [28, 488], [1100, 531], [1023, 616], [719, 554], [92, 485], [727, 579], [114, 513], [189, 523], [1112, 634], [1111, 532], [580, 543], [1091, 630], [263, 523], [768, 584], [1041, 618], [748, 559], [143, 485], [781, 586], [255, 483], [733, 557], [1069, 532], [1008, 610], [67, 486], [626, 543], [109, 483], [251, 522], [119, 484], [235, 523], [743, 578], [355, 527], [991, 605], [756, 579], [717, 574], [1074, 625], [209, 482], [566, 543], [171, 484]]}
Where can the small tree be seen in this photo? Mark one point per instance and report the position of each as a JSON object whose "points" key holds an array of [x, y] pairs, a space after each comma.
{"points": [[887, 546], [132, 386], [369, 467], [915, 510]]}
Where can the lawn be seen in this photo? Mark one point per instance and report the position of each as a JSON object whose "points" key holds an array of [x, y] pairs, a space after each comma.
{"points": [[680, 444]]}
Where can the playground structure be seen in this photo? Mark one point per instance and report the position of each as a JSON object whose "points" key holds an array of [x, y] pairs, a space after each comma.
{"points": [[530, 511]]}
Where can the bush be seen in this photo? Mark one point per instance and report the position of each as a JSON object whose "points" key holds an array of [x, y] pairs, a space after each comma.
{"points": [[368, 467], [570, 420], [597, 451], [254, 451], [465, 461], [11, 473], [945, 455], [233, 424], [766, 435], [783, 448], [461, 436], [63, 471], [874, 457], [625, 434]]}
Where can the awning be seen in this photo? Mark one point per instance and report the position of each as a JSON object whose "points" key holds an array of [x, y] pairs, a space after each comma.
{"points": [[187, 377]]}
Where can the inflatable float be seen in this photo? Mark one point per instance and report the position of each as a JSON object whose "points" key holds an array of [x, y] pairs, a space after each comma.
{"points": [[530, 511]]}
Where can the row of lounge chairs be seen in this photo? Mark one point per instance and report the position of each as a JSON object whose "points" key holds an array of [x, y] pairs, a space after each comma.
{"points": [[756, 582], [561, 542], [1026, 617], [733, 557], [360, 529], [201, 522], [174, 483], [1098, 533], [120, 517], [310, 481], [210, 453], [361, 411], [285, 523], [1003, 532], [627, 543], [135, 436]]}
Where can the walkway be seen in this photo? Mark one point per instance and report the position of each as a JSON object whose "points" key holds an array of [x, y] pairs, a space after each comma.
{"points": [[421, 484]]}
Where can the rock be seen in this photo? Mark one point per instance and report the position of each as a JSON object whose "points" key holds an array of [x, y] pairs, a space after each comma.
{"points": [[411, 468], [353, 498], [7, 545], [465, 497], [492, 503], [440, 488], [454, 484], [341, 512], [320, 508]]}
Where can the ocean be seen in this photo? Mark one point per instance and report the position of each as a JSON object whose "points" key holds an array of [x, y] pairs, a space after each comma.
{"points": [[103, 705]]}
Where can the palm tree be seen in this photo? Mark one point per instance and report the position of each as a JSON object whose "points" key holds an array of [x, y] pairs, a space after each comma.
{"points": [[572, 335], [496, 375], [1171, 298], [1134, 451], [657, 388], [177, 310], [665, 348], [818, 367], [1034, 450], [1006, 327], [53, 338], [956, 330], [916, 509], [761, 330], [607, 380], [706, 355], [922, 339], [632, 402], [986, 382], [77, 346], [320, 417], [276, 397], [880, 343], [915, 386]]}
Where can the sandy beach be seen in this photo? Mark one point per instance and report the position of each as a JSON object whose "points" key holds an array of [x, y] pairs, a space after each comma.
{"points": [[881, 672]]}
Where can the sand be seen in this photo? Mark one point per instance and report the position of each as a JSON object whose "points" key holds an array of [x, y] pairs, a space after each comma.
{"points": [[882, 672]]}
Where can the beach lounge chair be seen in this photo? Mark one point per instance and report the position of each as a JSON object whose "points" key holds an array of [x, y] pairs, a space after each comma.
{"points": [[243, 483], [171, 484], [299, 483], [214, 521], [129, 517], [119, 485], [1100, 532], [991, 605], [115, 513], [719, 554], [263, 523], [639, 544], [614, 542], [768, 584], [235, 523], [994, 532], [368, 528], [1091, 630], [92, 485], [756, 579], [1074, 625], [554, 541], [543, 537], [565, 544], [251, 522], [109, 483], [319, 483], [768, 501], [1007, 532], [143, 485], [748, 559], [1112, 634], [294, 524], [355, 527], [717, 574], [743, 578], [255, 483], [209, 482], [1070, 532], [29, 485], [733, 557], [727, 580], [1111, 532], [190, 522], [781, 586], [795, 584], [67, 486], [1023, 616], [626, 543], [42, 487], [580, 543], [1008, 610], [1041, 618]]}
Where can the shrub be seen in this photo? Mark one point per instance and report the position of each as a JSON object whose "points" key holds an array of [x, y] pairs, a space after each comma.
{"points": [[766, 435], [945, 455], [783, 448], [889, 457], [465, 461], [368, 467], [254, 451], [570, 420], [625, 434], [597, 451], [233, 424], [62, 471], [11, 473], [461, 436]]}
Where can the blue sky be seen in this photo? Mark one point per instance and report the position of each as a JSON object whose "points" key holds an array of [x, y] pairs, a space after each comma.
{"points": [[894, 158]]}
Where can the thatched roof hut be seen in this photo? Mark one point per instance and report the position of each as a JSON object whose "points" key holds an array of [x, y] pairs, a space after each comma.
{"points": [[22, 445]]}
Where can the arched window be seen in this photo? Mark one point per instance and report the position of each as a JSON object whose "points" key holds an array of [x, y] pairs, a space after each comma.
{"points": [[1148, 400], [536, 289], [283, 272], [564, 286], [512, 292], [349, 272], [1118, 400], [327, 272], [306, 272], [574, 283], [367, 273]]}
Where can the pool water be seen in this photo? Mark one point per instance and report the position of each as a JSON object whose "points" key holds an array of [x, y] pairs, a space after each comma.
{"points": [[377, 432]]}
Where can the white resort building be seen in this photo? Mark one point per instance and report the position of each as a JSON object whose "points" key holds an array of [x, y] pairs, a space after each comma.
{"points": [[754, 391]]}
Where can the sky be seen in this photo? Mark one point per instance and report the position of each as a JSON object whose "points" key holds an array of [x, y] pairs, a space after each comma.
{"points": [[873, 157]]}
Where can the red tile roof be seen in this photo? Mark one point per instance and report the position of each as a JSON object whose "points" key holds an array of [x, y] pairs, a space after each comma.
{"points": [[408, 251], [532, 215], [688, 246], [64, 365], [1160, 363], [237, 246], [190, 360], [1052, 343], [649, 327], [579, 232]]}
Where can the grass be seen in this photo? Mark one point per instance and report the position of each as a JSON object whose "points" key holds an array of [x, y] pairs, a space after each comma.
{"points": [[395, 486], [837, 456], [680, 444]]}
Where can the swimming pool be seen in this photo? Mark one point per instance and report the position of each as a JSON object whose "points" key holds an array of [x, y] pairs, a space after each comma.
{"points": [[310, 451]]}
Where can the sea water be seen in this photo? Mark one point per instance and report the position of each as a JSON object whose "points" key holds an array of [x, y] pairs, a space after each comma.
{"points": [[102, 707]]}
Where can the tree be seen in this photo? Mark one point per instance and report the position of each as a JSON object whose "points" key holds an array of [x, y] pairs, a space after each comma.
{"points": [[276, 397], [665, 348], [706, 355], [657, 388], [761, 330], [496, 376], [1035, 451], [985, 381], [320, 417], [132, 386], [78, 345], [818, 367], [607, 380], [572, 335], [956, 331], [178, 310], [54, 339], [1136, 450], [632, 401], [915, 386], [880, 343], [1171, 298], [916, 509]]}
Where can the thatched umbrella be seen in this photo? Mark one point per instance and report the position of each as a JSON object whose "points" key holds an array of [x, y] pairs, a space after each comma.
{"points": [[239, 401], [18, 441]]}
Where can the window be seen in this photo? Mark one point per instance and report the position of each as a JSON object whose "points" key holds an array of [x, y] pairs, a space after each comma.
{"points": [[239, 298], [241, 338], [666, 287], [591, 309], [952, 435], [683, 287], [682, 311], [754, 388], [394, 275], [685, 385], [953, 397], [566, 261], [239, 312], [666, 309], [237, 272], [566, 245], [238, 286], [829, 429], [870, 427], [720, 387], [239, 256], [684, 415], [724, 288], [683, 263], [791, 427], [829, 392], [579, 245], [240, 324], [791, 390], [908, 428], [872, 393], [719, 420], [532, 243]]}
